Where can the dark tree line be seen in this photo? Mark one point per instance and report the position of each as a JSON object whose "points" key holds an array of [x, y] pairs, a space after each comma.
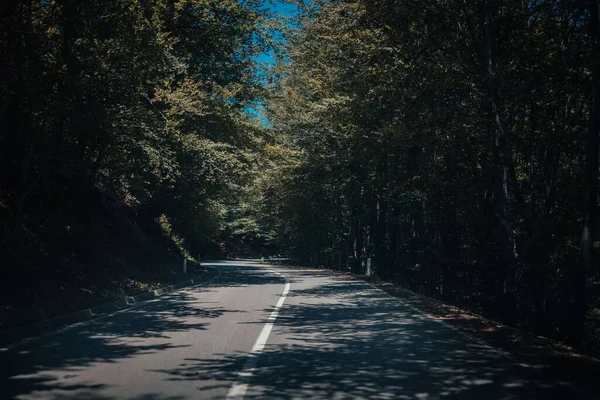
{"points": [[451, 146], [143, 102]]}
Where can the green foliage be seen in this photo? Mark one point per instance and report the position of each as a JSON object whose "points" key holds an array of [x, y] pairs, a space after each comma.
{"points": [[441, 142], [143, 99], [167, 230], [400, 119]]}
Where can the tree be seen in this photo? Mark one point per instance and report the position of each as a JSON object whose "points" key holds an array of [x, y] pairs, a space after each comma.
{"points": [[443, 141]]}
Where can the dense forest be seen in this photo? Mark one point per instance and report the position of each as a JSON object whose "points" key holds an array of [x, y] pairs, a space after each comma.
{"points": [[449, 146], [122, 122], [143, 100]]}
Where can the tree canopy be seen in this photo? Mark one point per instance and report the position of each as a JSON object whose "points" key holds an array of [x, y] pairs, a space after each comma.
{"points": [[451, 145], [448, 145], [143, 99]]}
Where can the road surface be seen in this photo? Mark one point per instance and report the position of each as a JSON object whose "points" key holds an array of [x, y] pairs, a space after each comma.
{"points": [[254, 333]]}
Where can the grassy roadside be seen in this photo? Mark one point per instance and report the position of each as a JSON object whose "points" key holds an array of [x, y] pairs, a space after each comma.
{"points": [[81, 255]]}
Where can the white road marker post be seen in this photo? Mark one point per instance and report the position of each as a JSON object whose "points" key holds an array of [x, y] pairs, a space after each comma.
{"points": [[185, 265]]}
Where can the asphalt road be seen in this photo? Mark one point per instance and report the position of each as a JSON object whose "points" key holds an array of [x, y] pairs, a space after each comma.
{"points": [[253, 333]]}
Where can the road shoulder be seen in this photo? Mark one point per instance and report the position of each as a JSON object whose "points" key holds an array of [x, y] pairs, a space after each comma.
{"points": [[15, 335], [553, 359]]}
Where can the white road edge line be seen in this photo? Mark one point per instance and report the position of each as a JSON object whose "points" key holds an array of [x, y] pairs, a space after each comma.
{"points": [[238, 390], [581, 392], [100, 317], [439, 320]]}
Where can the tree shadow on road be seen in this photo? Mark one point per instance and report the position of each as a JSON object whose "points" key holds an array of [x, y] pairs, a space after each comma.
{"points": [[42, 368], [244, 275], [341, 340]]}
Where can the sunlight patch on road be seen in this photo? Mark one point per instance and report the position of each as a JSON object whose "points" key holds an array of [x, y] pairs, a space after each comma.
{"points": [[238, 390]]}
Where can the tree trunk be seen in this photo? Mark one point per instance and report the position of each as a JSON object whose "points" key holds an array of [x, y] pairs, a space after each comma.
{"points": [[380, 239], [357, 232], [500, 153], [450, 245], [13, 120], [584, 264]]}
